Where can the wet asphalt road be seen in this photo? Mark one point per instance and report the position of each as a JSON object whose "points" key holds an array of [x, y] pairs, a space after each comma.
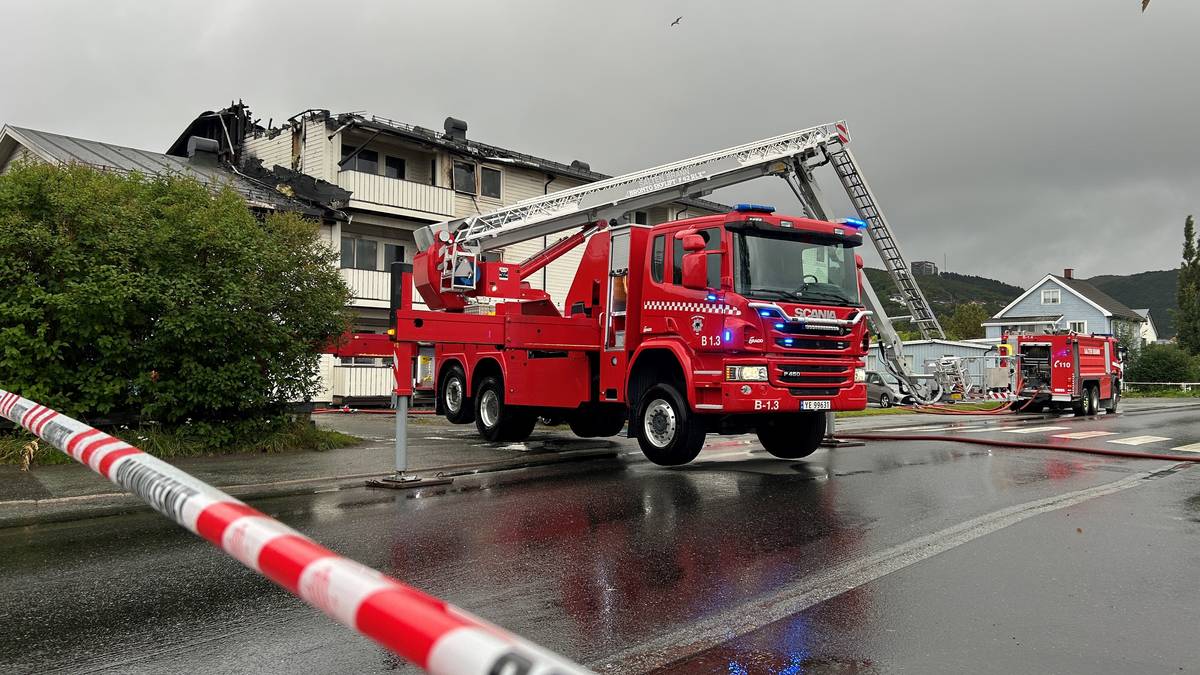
{"points": [[902, 556]]}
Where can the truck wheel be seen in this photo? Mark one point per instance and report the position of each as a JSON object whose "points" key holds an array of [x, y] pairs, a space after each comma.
{"points": [[598, 421], [497, 421], [793, 436], [667, 430], [885, 401], [1093, 400], [453, 394]]}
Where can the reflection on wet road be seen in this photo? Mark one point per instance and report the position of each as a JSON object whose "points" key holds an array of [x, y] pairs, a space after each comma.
{"points": [[896, 556]]}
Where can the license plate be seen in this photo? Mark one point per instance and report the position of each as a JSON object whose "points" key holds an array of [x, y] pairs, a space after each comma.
{"points": [[814, 405]]}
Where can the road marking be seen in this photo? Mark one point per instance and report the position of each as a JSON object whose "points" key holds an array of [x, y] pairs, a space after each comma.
{"points": [[803, 593], [1032, 430], [1192, 447], [1139, 440], [1086, 434]]}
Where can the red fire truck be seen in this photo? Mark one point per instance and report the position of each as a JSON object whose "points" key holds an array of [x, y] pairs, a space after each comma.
{"points": [[746, 321], [1063, 371]]}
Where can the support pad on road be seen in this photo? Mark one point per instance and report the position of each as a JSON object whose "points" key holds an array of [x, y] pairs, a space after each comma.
{"points": [[406, 481], [828, 442]]}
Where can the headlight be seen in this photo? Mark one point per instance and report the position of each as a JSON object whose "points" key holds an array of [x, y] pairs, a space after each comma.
{"points": [[860, 374], [746, 373]]}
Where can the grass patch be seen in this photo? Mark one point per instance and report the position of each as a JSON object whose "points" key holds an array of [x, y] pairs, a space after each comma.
{"points": [[288, 436]]}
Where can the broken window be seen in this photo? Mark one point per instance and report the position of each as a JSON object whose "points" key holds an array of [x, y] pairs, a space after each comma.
{"points": [[464, 178]]}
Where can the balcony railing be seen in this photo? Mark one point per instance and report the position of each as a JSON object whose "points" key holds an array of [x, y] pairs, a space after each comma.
{"points": [[396, 196], [368, 288], [362, 382]]}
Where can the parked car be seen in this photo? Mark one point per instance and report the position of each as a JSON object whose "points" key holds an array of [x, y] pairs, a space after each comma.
{"points": [[881, 393]]}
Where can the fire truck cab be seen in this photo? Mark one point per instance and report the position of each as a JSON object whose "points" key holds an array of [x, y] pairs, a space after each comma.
{"points": [[1064, 371]]}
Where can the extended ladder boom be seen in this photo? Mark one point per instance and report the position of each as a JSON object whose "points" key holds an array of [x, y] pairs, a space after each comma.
{"points": [[613, 197]]}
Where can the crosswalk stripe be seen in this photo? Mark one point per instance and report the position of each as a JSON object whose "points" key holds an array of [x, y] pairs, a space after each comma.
{"points": [[1032, 430], [1086, 434], [1139, 440], [1191, 447]]}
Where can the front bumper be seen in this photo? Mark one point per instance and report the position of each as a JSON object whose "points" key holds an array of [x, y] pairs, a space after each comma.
{"points": [[784, 392]]}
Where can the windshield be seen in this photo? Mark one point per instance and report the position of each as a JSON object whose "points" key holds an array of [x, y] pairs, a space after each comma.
{"points": [[795, 268]]}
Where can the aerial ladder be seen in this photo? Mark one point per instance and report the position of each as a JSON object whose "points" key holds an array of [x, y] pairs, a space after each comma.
{"points": [[792, 156]]}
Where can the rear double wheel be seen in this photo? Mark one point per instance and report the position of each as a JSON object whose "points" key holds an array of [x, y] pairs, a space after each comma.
{"points": [[668, 432], [497, 421], [792, 435]]}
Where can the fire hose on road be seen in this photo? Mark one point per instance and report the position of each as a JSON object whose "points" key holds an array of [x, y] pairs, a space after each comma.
{"points": [[424, 630]]}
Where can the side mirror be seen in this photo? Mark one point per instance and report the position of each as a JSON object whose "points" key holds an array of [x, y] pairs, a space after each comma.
{"points": [[695, 267], [693, 242]]}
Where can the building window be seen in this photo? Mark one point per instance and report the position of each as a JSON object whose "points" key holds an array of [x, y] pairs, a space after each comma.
{"points": [[489, 182], [359, 254], [1051, 296], [658, 256], [641, 218], [464, 177], [1078, 326], [392, 253], [366, 161], [394, 167]]}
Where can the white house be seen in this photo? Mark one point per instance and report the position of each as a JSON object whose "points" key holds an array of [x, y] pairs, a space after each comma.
{"points": [[1060, 303]]}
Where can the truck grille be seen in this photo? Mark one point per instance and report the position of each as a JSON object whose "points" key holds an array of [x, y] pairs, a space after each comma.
{"points": [[814, 380], [803, 343], [800, 328]]}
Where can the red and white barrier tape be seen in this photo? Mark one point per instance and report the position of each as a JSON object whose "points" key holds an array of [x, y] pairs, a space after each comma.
{"points": [[428, 632]]}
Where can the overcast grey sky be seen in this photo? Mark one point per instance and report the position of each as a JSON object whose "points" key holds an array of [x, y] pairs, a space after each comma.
{"points": [[1015, 137]]}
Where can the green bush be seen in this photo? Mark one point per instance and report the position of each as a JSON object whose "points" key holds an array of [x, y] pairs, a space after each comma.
{"points": [[159, 299], [1161, 363]]}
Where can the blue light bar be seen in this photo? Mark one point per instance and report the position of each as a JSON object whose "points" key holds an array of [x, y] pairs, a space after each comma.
{"points": [[728, 335], [778, 326], [852, 222], [711, 297], [754, 208]]}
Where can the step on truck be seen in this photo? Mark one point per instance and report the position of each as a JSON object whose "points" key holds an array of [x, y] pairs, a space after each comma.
{"points": [[747, 321], [1068, 371]]}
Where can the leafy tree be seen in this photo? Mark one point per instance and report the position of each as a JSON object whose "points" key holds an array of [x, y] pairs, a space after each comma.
{"points": [[966, 322], [1187, 317], [1161, 363], [156, 297]]}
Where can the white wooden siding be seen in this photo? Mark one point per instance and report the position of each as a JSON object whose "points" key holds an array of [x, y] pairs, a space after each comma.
{"points": [[272, 151], [315, 153]]}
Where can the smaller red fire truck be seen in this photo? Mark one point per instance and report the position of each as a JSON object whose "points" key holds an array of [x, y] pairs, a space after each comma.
{"points": [[1061, 371]]}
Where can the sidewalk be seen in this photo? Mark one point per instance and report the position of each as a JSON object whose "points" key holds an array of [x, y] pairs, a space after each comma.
{"points": [[70, 491]]}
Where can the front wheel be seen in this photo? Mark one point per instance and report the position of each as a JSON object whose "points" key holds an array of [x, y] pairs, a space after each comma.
{"points": [[497, 421], [794, 435], [885, 401], [668, 432]]}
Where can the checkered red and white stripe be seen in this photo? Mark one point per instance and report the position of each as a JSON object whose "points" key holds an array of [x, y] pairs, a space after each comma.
{"points": [[691, 307], [428, 632]]}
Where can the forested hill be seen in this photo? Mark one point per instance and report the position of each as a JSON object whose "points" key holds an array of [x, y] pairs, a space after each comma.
{"points": [[1155, 290]]}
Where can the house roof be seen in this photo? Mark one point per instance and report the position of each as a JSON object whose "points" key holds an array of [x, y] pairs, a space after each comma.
{"points": [[486, 152], [1145, 314], [1102, 301], [1009, 320], [60, 149]]}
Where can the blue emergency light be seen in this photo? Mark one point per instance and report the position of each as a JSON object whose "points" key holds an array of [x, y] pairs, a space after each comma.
{"points": [[711, 297], [852, 222], [754, 208]]}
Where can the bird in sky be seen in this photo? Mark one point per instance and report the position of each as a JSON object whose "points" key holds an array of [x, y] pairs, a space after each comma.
{"points": [[1145, 4], [678, 19]]}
